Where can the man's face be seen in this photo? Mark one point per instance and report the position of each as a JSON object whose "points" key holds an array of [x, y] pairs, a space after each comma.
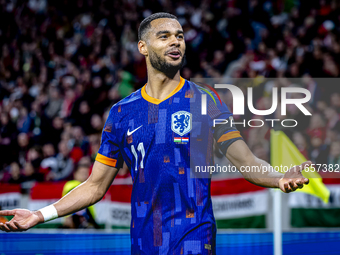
{"points": [[166, 46]]}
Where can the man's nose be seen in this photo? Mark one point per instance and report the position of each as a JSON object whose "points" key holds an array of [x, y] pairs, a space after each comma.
{"points": [[174, 41]]}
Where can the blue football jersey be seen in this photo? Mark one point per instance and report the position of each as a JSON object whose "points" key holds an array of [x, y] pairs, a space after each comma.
{"points": [[161, 141]]}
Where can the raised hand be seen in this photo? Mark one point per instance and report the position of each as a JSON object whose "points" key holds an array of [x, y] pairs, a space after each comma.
{"points": [[23, 220], [293, 178]]}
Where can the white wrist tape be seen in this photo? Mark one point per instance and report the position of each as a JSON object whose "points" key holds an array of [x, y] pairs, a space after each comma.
{"points": [[49, 213]]}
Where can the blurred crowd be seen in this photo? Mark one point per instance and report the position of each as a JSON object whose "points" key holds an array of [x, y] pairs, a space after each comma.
{"points": [[63, 64]]}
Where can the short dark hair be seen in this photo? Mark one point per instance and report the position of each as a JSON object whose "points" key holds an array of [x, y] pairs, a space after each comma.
{"points": [[145, 24]]}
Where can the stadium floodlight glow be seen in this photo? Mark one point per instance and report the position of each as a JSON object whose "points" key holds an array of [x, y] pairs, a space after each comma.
{"points": [[238, 100]]}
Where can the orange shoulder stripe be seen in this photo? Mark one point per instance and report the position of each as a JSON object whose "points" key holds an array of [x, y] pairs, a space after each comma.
{"points": [[228, 136], [105, 160]]}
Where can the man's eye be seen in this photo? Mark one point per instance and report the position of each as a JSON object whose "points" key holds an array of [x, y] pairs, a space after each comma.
{"points": [[180, 36], [163, 36]]}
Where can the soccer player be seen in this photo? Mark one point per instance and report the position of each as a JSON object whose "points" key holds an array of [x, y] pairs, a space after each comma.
{"points": [[153, 130]]}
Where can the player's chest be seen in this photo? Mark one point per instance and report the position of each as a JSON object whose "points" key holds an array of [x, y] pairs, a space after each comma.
{"points": [[157, 127]]}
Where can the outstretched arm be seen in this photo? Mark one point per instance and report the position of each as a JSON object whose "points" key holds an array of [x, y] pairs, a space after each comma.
{"points": [[86, 194], [259, 172]]}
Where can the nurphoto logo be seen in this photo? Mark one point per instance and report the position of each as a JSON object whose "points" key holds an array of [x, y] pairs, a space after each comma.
{"points": [[239, 99]]}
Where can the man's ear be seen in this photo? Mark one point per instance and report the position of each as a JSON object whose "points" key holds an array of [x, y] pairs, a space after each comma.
{"points": [[142, 48]]}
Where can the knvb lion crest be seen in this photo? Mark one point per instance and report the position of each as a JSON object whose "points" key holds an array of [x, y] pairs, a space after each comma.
{"points": [[181, 122]]}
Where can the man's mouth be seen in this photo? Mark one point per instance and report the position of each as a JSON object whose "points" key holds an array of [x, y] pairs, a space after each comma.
{"points": [[174, 54]]}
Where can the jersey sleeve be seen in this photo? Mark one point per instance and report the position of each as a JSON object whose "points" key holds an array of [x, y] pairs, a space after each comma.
{"points": [[109, 152], [221, 119]]}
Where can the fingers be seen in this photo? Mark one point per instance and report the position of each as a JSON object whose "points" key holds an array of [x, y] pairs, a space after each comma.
{"points": [[11, 226], [286, 187], [1, 227], [299, 183], [20, 227], [289, 185], [7, 212], [4, 227], [294, 184]]}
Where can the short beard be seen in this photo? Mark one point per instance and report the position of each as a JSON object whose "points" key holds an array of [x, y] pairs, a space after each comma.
{"points": [[161, 65]]}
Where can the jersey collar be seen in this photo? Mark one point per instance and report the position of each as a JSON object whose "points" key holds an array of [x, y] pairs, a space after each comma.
{"points": [[158, 101]]}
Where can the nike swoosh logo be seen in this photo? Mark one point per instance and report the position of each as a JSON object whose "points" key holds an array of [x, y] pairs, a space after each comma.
{"points": [[130, 133]]}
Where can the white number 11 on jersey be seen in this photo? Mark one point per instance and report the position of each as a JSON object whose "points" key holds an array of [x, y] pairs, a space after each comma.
{"points": [[140, 148]]}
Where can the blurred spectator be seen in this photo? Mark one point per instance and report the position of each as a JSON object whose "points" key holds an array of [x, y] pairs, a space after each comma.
{"points": [[301, 143], [15, 175], [334, 154], [55, 102], [319, 151], [60, 166], [97, 123], [24, 121], [332, 118], [34, 157], [68, 102], [335, 102], [83, 119], [94, 145], [317, 127], [7, 139], [80, 140], [24, 145], [30, 173], [48, 150]]}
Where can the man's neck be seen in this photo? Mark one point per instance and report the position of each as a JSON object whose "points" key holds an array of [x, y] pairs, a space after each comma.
{"points": [[159, 86]]}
